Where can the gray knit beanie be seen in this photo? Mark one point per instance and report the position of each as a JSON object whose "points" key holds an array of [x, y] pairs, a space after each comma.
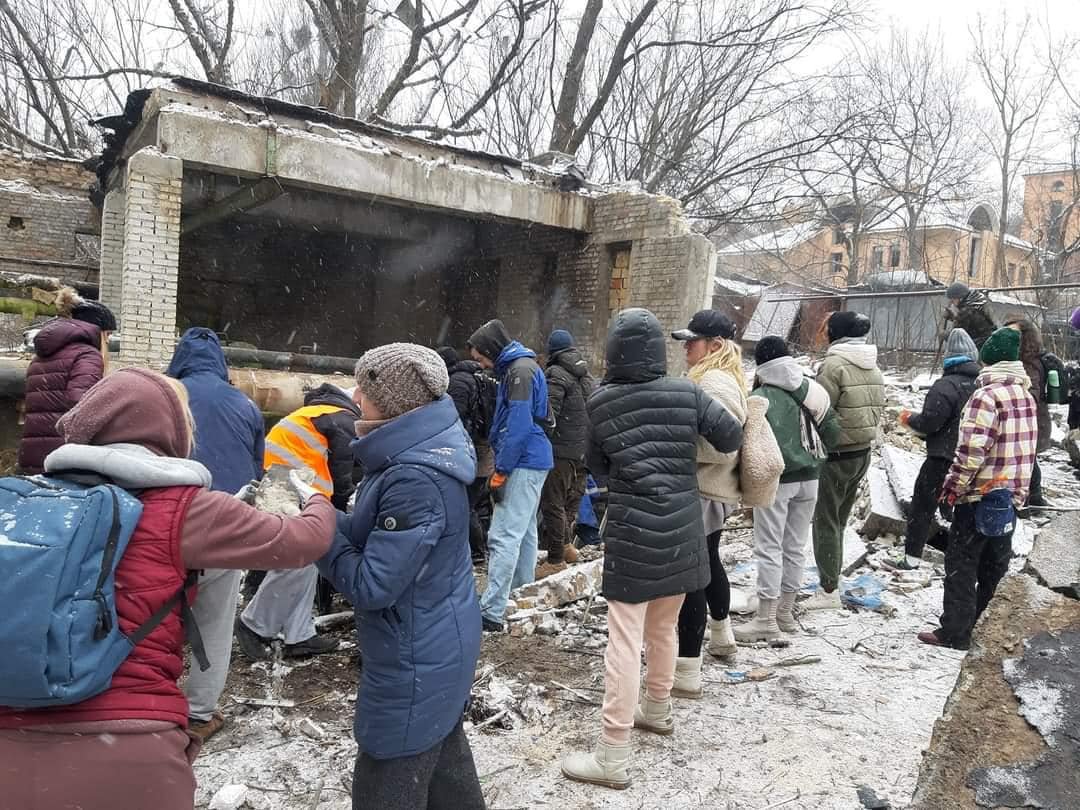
{"points": [[960, 344], [401, 377]]}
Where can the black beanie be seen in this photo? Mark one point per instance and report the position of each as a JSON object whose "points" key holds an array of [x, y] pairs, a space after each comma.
{"points": [[449, 355], [848, 324], [770, 348]]}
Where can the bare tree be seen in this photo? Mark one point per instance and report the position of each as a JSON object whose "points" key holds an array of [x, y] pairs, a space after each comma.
{"points": [[1019, 91], [925, 154]]}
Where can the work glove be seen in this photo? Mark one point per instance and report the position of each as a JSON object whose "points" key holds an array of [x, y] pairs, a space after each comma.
{"points": [[904, 417], [246, 493], [304, 490], [497, 485]]}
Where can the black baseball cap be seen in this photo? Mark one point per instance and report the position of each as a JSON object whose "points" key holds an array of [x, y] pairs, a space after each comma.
{"points": [[708, 323]]}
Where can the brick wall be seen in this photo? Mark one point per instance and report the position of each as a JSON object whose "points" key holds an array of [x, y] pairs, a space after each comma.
{"points": [[48, 174], [112, 250], [151, 257]]}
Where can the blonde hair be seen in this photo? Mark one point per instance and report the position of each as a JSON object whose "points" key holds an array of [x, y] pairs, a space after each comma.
{"points": [[185, 406], [726, 357]]}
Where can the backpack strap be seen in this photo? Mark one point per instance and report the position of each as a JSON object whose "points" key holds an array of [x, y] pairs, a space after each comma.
{"points": [[187, 616]]}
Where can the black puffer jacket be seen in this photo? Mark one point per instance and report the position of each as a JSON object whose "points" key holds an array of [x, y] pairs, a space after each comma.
{"points": [[339, 428], [462, 389], [569, 386], [939, 420], [643, 441]]}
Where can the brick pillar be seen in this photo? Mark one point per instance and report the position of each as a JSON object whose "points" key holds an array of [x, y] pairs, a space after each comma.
{"points": [[151, 258], [112, 250]]}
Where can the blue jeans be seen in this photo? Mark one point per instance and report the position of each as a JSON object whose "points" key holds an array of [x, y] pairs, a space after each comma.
{"points": [[512, 540]]}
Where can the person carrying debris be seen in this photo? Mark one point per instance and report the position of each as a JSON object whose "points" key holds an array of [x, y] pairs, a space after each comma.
{"points": [[522, 459], [70, 355], [569, 385], [405, 567], [714, 362], [1038, 363], [229, 443], [807, 429], [856, 389], [316, 437], [988, 481], [969, 310], [128, 747], [467, 390], [643, 441], [938, 423]]}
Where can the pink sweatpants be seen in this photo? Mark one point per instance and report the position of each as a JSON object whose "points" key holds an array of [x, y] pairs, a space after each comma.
{"points": [[629, 625]]}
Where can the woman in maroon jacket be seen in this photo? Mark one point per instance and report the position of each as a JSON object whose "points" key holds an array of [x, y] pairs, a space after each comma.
{"points": [[127, 748], [69, 357]]}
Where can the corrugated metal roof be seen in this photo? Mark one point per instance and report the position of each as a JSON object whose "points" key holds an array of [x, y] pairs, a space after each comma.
{"points": [[773, 317]]}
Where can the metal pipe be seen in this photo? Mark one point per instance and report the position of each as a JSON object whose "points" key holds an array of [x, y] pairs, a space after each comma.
{"points": [[913, 293], [289, 361]]}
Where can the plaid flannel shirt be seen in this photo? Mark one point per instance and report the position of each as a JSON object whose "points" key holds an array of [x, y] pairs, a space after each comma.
{"points": [[998, 433]]}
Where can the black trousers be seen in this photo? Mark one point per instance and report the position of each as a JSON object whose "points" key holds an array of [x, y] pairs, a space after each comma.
{"points": [[1035, 494], [442, 778], [714, 600], [974, 565], [559, 502], [477, 492], [924, 503]]}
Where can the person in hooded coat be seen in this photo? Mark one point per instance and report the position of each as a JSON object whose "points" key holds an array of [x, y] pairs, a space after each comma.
{"points": [[643, 436], [939, 424], [69, 357], [523, 458], [856, 389], [318, 437], [969, 310], [128, 748], [806, 429], [402, 559], [986, 484], [464, 390], [569, 385], [229, 442]]}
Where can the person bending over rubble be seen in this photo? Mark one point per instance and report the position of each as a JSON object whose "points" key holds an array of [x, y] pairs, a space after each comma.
{"points": [[938, 423], [987, 482], [127, 748], [715, 363], [850, 376], [806, 429], [643, 441], [969, 310], [402, 559]]}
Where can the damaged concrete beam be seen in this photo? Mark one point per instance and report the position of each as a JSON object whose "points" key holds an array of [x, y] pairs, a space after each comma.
{"points": [[243, 199], [1055, 555], [886, 515], [902, 468], [346, 166], [575, 583]]}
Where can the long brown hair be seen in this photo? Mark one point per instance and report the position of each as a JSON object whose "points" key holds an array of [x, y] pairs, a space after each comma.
{"points": [[1031, 342]]}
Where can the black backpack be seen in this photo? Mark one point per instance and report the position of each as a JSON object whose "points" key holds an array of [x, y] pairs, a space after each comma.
{"points": [[483, 409]]}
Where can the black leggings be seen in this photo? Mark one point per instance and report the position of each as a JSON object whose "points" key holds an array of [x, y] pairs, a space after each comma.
{"points": [[714, 600]]}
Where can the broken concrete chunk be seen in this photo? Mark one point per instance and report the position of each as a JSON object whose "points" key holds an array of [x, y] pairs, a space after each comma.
{"points": [[576, 582], [902, 468], [886, 515], [229, 797], [870, 800], [1055, 555], [309, 728], [276, 495]]}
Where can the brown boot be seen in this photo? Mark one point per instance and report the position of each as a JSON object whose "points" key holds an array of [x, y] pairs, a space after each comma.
{"points": [[570, 554], [205, 729], [547, 569]]}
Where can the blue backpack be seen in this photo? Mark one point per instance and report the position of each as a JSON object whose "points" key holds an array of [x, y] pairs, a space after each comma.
{"points": [[60, 543]]}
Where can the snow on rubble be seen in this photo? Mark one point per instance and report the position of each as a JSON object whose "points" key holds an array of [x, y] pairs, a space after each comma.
{"points": [[843, 709]]}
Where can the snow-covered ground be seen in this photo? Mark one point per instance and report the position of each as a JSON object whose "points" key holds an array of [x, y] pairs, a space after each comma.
{"points": [[804, 738]]}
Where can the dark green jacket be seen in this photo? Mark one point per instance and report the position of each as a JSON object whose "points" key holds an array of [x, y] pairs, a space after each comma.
{"points": [[783, 384]]}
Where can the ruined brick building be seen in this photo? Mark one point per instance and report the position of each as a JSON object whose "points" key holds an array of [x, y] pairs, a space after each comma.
{"points": [[296, 230], [48, 225]]}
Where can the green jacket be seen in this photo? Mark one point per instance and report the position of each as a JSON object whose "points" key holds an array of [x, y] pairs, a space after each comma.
{"points": [[784, 385], [850, 376]]}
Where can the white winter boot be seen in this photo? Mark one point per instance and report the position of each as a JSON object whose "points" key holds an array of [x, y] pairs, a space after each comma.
{"points": [[763, 626], [605, 765], [823, 601], [687, 678], [722, 644], [785, 613], [655, 716]]}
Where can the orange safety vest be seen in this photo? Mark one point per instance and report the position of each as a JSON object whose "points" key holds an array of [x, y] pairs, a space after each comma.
{"points": [[295, 442]]}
